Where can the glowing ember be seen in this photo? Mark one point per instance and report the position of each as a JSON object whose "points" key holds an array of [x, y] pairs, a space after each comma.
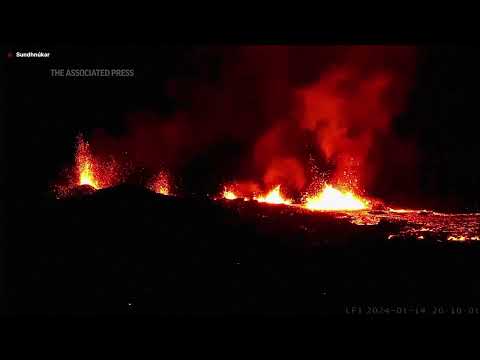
{"points": [[274, 197], [85, 165], [332, 199], [229, 195], [161, 184]]}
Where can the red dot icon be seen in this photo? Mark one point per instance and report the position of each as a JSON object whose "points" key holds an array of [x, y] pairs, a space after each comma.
{"points": [[10, 55]]}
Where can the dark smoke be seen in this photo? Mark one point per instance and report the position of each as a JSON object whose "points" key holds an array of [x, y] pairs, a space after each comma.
{"points": [[258, 113]]}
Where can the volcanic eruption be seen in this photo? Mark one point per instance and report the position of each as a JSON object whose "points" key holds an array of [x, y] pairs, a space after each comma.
{"points": [[245, 180], [304, 127]]}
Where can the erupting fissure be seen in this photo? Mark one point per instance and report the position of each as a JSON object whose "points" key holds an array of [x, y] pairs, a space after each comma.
{"points": [[328, 199], [94, 173]]}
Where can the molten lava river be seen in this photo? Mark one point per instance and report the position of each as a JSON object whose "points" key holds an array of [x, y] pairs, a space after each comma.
{"points": [[423, 224], [419, 224]]}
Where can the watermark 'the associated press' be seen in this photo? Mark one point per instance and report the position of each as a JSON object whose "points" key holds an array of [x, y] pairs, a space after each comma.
{"points": [[92, 72]]}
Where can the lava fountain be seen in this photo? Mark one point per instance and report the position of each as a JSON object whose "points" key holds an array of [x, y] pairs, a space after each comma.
{"points": [[88, 172], [335, 200], [274, 197], [85, 165], [161, 184]]}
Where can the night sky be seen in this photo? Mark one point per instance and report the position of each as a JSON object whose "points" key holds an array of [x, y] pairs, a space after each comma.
{"points": [[45, 114]]}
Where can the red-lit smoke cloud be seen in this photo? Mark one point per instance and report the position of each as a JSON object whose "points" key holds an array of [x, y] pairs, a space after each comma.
{"points": [[352, 104], [253, 113]]}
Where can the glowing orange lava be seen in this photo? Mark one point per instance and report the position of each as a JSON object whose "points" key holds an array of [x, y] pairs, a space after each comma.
{"points": [[274, 197], [161, 184], [229, 195], [333, 199], [85, 165]]}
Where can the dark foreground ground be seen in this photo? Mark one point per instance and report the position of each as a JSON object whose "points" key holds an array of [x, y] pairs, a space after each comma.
{"points": [[128, 250]]}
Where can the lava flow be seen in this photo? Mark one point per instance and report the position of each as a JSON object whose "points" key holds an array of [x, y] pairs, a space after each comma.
{"points": [[274, 197], [331, 199]]}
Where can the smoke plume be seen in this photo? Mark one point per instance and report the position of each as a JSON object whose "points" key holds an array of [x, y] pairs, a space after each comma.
{"points": [[259, 113]]}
